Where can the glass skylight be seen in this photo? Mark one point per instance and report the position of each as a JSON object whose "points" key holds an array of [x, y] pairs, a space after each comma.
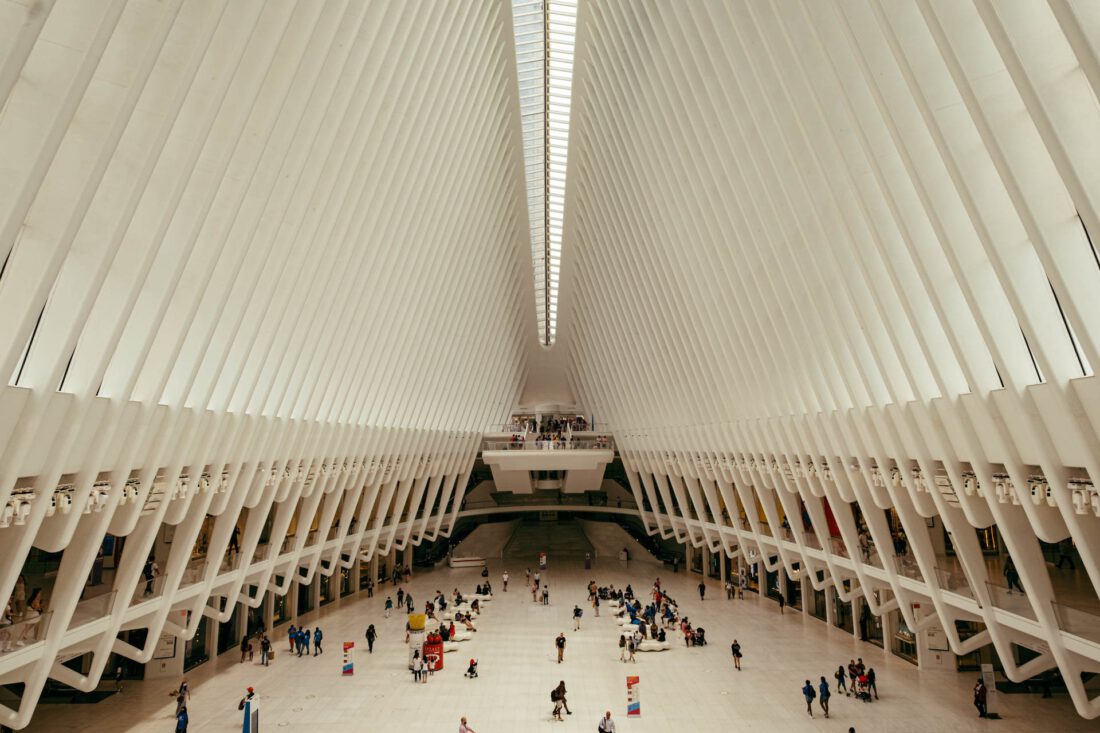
{"points": [[545, 31]]}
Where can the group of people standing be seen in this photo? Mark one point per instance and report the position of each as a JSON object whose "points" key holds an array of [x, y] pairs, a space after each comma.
{"points": [[301, 637]]}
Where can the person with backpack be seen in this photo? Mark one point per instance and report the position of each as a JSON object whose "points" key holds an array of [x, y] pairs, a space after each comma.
{"points": [[562, 697], [809, 693], [389, 606], [735, 649], [841, 683], [825, 695], [607, 725], [317, 636]]}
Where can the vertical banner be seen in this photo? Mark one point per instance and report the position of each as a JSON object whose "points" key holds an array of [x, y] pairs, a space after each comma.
{"points": [[542, 560], [633, 697], [349, 661]]}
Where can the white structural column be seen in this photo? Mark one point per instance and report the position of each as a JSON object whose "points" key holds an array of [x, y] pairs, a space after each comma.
{"points": [[833, 273]]}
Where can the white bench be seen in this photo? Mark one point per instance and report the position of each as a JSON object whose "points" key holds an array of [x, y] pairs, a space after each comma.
{"points": [[652, 645]]}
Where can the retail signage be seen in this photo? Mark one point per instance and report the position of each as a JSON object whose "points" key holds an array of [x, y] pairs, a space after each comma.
{"points": [[633, 697], [349, 662]]}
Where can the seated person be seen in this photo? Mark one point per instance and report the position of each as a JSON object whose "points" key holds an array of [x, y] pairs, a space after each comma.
{"points": [[487, 590], [661, 635], [471, 671], [475, 606], [444, 633], [478, 591]]}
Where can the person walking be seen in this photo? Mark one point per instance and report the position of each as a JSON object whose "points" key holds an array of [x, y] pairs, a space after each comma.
{"points": [[560, 644], [631, 648], [1012, 577], [292, 637], [607, 725], [416, 666], [183, 696], [824, 695], [1065, 548], [400, 596], [505, 579], [622, 647], [265, 651], [809, 693], [561, 696], [118, 679], [370, 588], [782, 602], [742, 583], [149, 572], [841, 680], [181, 720], [729, 589], [409, 602], [317, 636], [596, 606], [538, 578], [546, 595], [371, 636], [463, 726], [702, 590], [980, 698], [735, 649], [244, 648], [577, 618], [389, 607], [871, 687]]}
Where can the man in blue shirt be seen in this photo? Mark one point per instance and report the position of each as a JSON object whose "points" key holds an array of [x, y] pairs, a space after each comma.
{"points": [[317, 636], [809, 693]]}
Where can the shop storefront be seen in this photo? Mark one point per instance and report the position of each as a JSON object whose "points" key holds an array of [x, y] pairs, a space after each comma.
{"points": [[364, 574], [194, 649], [327, 596], [905, 641], [305, 598], [345, 582], [843, 610], [280, 609], [228, 634], [794, 588]]}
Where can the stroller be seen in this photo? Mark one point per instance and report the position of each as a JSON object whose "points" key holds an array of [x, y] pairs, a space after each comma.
{"points": [[471, 671], [700, 636]]}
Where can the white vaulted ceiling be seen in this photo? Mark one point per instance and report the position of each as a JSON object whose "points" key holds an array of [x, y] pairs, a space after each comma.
{"points": [[271, 261]]}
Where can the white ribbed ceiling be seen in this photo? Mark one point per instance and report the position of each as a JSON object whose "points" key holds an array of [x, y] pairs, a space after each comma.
{"points": [[269, 262]]}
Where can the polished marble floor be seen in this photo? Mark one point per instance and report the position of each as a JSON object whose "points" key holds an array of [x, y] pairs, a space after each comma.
{"points": [[681, 690]]}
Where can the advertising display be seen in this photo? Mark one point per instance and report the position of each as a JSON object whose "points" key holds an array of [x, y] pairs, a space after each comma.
{"points": [[633, 697]]}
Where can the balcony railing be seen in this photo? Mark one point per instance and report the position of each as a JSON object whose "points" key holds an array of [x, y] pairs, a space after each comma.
{"points": [[25, 631], [954, 582], [549, 445], [1078, 622], [1006, 599]]}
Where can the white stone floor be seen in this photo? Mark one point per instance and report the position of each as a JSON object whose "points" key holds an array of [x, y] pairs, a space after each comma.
{"points": [[682, 689]]}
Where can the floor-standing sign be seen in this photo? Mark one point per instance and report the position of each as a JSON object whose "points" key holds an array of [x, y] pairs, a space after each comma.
{"points": [[990, 691], [251, 722], [349, 662], [415, 628], [633, 697]]}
